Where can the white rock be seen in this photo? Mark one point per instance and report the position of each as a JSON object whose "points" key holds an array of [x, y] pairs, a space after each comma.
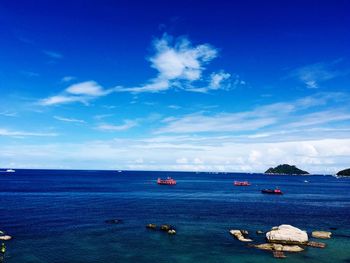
{"points": [[238, 234], [287, 234]]}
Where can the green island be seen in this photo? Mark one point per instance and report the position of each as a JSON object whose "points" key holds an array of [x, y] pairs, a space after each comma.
{"points": [[345, 172], [285, 169]]}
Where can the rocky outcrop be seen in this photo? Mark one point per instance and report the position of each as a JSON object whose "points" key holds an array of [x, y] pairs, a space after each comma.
{"points": [[345, 172], [285, 169], [321, 234], [5, 237], [165, 228], [279, 247], [287, 234], [240, 236]]}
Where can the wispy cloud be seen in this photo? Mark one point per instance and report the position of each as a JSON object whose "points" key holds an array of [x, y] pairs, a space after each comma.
{"points": [[80, 92], [12, 133], [68, 78], [128, 124], [283, 114], [8, 114], [179, 64], [59, 118], [314, 74], [53, 54]]}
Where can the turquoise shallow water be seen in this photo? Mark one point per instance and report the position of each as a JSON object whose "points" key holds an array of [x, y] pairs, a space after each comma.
{"points": [[58, 216]]}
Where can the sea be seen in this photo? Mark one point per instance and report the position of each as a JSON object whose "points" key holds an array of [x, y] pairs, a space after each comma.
{"points": [[58, 216]]}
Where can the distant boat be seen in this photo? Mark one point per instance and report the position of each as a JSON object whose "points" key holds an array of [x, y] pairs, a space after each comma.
{"points": [[272, 191], [8, 171], [241, 183], [168, 181], [306, 181]]}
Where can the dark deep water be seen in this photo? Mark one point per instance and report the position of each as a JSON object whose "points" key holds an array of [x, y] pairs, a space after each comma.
{"points": [[58, 216]]}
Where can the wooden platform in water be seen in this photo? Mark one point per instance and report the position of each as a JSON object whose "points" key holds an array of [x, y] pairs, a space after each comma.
{"points": [[316, 244], [278, 254]]}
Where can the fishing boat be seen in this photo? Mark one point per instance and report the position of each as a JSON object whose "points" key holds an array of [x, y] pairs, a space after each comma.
{"points": [[168, 181], [241, 183], [272, 191]]}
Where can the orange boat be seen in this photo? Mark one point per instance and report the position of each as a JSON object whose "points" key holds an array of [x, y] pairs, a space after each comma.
{"points": [[241, 183], [168, 181]]}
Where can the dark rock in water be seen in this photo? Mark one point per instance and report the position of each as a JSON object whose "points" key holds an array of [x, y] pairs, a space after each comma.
{"points": [[286, 169], [333, 228], [113, 221], [259, 232], [151, 226], [165, 228]]}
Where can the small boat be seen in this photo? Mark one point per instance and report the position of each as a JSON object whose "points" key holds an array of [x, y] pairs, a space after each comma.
{"points": [[8, 171], [272, 191], [241, 183], [306, 181], [168, 181]]}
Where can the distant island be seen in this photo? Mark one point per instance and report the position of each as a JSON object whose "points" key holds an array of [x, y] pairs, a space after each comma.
{"points": [[286, 169], [345, 172]]}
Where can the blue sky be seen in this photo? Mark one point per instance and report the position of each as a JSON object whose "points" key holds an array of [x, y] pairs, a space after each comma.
{"points": [[175, 85]]}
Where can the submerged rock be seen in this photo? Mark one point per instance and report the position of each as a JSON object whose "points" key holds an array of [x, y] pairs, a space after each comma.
{"points": [[151, 226], [113, 221], [259, 232], [287, 234], [239, 235], [316, 244], [279, 247], [321, 234]]}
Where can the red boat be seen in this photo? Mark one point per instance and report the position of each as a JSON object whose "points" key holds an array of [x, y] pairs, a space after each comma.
{"points": [[168, 181], [272, 191], [241, 183]]}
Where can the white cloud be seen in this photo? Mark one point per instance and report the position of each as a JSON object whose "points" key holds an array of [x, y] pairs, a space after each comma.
{"points": [[211, 154], [61, 99], [68, 78], [216, 79], [11, 133], [284, 115], [79, 92], [68, 119], [87, 88], [128, 124], [181, 65], [8, 114], [182, 60]]}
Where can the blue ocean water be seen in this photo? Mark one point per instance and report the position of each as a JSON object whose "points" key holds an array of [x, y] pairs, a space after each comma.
{"points": [[58, 216]]}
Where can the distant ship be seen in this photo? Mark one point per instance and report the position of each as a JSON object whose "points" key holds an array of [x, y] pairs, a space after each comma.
{"points": [[241, 183], [168, 181], [272, 191], [8, 171]]}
